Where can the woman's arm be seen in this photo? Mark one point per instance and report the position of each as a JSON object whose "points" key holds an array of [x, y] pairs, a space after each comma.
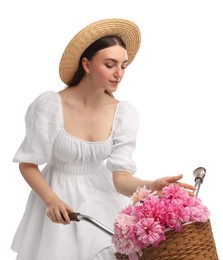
{"points": [[57, 209], [126, 184]]}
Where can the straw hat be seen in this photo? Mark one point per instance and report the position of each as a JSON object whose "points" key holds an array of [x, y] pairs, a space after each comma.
{"points": [[125, 29]]}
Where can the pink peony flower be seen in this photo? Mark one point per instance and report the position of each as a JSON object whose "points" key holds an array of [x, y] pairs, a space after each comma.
{"points": [[152, 207], [141, 194], [198, 211], [125, 245], [174, 191], [176, 214], [122, 237], [148, 232]]}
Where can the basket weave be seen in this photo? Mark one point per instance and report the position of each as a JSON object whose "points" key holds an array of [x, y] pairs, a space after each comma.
{"points": [[195, 242]]}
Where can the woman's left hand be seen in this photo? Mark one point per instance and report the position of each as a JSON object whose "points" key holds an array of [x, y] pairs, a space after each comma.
{"points": [[158, 184]]}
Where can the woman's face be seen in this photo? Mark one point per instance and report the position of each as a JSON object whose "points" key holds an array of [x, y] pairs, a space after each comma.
{"points": [[107, 67]]}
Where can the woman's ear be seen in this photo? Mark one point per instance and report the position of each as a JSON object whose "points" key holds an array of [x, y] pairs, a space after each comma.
{"points": [[86, 65]]}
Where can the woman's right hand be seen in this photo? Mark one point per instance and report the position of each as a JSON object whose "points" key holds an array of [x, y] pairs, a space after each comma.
{"points": [[58, 211]]}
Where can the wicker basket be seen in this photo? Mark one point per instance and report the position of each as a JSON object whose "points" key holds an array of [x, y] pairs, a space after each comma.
{"points": [[195, 242]]}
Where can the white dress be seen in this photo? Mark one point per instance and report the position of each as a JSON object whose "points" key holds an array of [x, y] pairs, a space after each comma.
{"points": [[80, 172]]}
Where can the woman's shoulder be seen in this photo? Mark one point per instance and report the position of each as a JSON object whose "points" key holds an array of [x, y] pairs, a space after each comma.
{"points": [[46, 104], [46, 96], [127, 115], [45, 100], [125, 107]]}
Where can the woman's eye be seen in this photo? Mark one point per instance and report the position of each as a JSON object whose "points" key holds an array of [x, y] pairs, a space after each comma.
{"points": [[108, 65]]}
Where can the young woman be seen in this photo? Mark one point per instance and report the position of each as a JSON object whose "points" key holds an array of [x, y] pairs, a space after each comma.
{"points": [[86, 138]]}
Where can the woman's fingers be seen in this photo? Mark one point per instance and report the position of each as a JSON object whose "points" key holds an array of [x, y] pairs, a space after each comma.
{"points": [[187, 186], [55, 216], [174, 178], [65, 215], [59, 213], [159, 184]]}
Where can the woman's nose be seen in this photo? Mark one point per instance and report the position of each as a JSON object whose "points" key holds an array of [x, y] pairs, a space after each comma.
{"points": [[118, 73]]}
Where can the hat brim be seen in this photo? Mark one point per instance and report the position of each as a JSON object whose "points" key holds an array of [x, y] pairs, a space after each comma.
{"points": [[125, 29]]}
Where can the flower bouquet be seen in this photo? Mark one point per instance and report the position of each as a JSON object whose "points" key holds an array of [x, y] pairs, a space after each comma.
{"points": [[150, 219]]}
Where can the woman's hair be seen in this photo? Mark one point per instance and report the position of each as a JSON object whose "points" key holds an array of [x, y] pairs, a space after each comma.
{"points": [[89, 53]]}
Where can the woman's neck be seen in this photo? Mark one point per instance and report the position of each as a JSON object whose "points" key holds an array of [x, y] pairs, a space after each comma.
{"points": [[87, 95]]}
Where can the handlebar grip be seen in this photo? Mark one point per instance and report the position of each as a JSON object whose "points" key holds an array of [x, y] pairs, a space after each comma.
{"points": [[74, 216]]}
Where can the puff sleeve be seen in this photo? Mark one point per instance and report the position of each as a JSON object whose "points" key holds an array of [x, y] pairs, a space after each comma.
{"points": [[43, 121], [124, 139]]}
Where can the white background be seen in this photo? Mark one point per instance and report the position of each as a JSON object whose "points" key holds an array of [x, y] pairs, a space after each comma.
{"points": [[175, 82]]}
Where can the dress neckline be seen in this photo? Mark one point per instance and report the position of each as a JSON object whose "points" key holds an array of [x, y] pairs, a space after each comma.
{"points": [[80, 139]]}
